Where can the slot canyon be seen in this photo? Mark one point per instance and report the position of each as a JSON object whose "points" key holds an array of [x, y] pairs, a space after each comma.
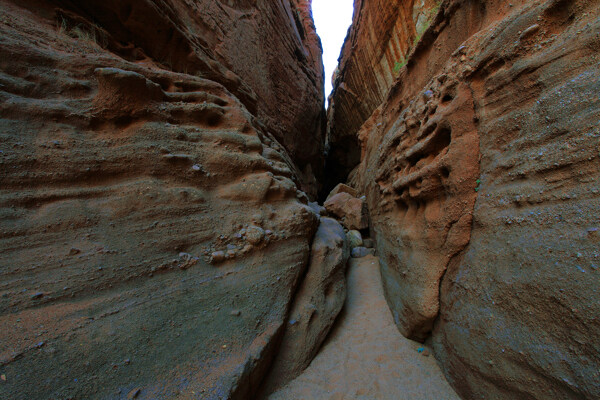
{"points": [[183, 215]]}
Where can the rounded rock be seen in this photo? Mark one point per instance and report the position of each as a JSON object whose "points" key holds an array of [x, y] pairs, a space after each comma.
{"points": [[255, 235], [354, 238], [217, 257]]}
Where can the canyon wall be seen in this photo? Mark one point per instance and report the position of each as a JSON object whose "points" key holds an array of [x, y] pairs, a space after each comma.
{"points": [[153, 227], [480, 166], [376, 47]]}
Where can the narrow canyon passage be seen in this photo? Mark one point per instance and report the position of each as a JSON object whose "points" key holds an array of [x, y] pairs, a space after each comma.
{"points": [[365, 357], [162, 164]]}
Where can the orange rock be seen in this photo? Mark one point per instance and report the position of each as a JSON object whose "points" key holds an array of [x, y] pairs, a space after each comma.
{"points": [[351, 211], [480, 167], [343, 188]]}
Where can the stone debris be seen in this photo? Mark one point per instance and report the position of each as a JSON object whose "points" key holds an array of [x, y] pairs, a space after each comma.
{"points": [[354, 238], [342, 188], [351, 211], [255, 234], [217, 257], [359, 252]]}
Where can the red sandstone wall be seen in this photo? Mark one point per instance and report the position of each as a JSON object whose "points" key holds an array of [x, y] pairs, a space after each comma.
{"points": [[480, 169]]}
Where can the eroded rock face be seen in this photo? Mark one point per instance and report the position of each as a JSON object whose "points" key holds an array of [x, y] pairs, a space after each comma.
{"points": [[138, 145], [318, 302], [423, 198], [377, 46], [251, 48], [481, 173]]}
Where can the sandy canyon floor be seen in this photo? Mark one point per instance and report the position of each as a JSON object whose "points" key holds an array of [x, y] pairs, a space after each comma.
{"points": [[365, 357]]}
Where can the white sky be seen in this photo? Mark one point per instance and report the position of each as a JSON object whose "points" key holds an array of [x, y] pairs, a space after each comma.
{"points": [[332, 19]]}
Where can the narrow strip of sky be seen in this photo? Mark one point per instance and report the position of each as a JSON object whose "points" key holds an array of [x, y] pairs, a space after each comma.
{"points": [[332, 19]]}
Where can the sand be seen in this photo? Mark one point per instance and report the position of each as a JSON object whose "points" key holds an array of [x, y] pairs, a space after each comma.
{"points": [[365, 357]]}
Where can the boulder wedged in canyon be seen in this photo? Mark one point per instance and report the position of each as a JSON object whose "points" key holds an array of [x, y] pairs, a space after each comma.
{"points": [[316, 305], [342, 188], [480, 168], [351, 211], [153, 232]]}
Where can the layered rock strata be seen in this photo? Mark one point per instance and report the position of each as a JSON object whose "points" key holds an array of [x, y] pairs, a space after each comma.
{"points": [[481, 173], [153, 232], [378, 44]]}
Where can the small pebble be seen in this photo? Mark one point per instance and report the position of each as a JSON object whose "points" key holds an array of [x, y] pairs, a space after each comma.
{"points": [[217, 257], [529, 31], [360, 252], [255, 235], [354, 238]]}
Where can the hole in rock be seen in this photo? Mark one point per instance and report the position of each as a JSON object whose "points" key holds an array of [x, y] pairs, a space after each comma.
{"points": [[445, 172], [442, 141], [340, 160]]}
